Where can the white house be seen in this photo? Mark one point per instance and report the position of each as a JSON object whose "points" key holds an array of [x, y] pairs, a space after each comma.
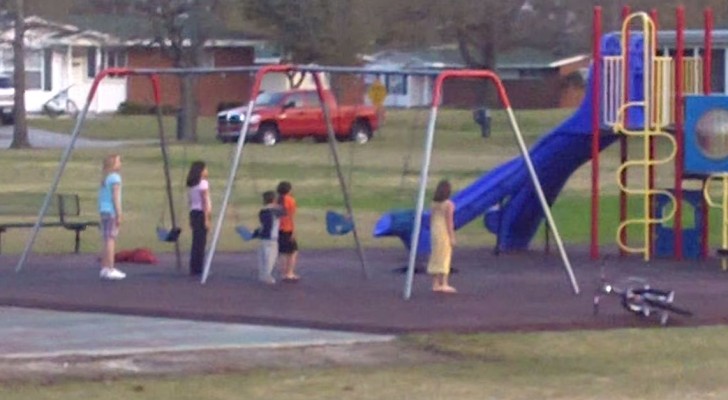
{"points": [[60, 56]]}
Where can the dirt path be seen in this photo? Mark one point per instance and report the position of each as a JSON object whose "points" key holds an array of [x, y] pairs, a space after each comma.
{"points": [[52, 370]]}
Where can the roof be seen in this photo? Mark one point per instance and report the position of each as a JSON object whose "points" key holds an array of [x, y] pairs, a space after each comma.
{"points": [[41, 32], [136, 29], [694, 37], [449, 57], [109, 30]]}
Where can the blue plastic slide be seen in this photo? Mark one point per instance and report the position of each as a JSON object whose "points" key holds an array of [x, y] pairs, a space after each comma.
{"points": [[505, 196]]}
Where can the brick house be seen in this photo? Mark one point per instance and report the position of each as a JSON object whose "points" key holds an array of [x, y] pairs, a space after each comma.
{"points": [[531, 78], [134, 49], [68, 56]]}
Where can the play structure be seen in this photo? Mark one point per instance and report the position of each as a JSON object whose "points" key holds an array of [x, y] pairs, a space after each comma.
{"points": [[637, 94], [634, 94]]}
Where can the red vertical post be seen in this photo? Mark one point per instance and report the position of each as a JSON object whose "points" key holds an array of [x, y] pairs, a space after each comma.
{"points": [[707, 89], [651, 168], [622, 138], [679, 128], [596, 89]]}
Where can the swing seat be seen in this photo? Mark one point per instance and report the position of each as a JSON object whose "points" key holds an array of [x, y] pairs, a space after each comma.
{"points": [[338, 224], [244, 233], [168, 235]]}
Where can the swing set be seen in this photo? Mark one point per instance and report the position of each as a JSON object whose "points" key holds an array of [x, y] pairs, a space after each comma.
{"points": [[166, 234], [337, 224]]}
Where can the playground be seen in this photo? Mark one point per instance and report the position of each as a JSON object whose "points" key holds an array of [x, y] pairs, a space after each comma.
{"points": [[508, 285], [516, 292]]}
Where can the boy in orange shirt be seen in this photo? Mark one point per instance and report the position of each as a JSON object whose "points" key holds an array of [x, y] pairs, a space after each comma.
{"points": [[287, 245]]}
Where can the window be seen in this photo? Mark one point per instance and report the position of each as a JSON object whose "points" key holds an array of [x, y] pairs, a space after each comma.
{"points": [[33, 66], [396, 84], [297, 99], [91, 62], [33, 69], [114, 59], [47, 73], [311, 99]]}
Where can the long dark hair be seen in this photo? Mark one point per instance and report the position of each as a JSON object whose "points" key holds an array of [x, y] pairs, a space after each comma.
{"points": [[443, 191], [195, 175]]}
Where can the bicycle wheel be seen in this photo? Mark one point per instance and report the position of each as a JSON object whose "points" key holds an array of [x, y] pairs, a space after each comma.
{"points": [[71, 108], [668, 307]]}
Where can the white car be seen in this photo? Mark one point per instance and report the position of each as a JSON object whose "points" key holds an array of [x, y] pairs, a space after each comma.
{"points": [[7, 100]]}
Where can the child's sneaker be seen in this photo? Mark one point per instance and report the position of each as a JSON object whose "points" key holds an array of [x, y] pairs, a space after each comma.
{"points": [[111, 274], [269, 280]]}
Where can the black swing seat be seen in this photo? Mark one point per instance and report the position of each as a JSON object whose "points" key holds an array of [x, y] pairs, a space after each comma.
{"points": [[722, 253], [168, 235], [338, 224]]}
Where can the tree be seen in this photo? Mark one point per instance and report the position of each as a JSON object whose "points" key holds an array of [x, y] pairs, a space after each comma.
{"points": [[20, 129], [320, 31], [181, 28], [484, 28]]}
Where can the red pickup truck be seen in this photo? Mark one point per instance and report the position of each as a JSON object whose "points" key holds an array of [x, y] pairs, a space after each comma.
{"points": [[297, 113]]}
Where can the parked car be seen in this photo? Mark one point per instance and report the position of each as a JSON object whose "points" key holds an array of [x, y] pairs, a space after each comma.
{"points": [[297, 113], [7, 100]]}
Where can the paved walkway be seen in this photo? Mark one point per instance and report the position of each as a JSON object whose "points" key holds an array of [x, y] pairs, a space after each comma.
{"points": [[40, 138], [31, 333]]}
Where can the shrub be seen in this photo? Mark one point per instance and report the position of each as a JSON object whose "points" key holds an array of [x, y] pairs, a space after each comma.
{"points": [[131, 108]]}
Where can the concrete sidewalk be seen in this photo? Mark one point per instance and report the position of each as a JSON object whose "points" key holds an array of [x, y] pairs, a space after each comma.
{"points": [[42, 139], [31, 334]]}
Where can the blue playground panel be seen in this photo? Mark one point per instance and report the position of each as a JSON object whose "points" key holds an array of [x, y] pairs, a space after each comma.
{"points": [[665, 235], [697, 160]]}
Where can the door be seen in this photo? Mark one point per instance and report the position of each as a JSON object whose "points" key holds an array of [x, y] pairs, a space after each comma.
{"points": [[301, 117]]}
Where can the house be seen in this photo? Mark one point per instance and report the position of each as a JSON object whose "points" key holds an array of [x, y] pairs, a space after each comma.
{"points": [[695, 50], [531, 77], [69, 55]]}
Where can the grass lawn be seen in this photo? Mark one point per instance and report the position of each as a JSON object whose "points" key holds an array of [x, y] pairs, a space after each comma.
{"points": [[662, 364], [382, 174], [647, 364]]}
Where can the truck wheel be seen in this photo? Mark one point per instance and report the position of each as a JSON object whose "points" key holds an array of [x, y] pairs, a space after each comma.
{"points": [[360, 133], [268, 135]]}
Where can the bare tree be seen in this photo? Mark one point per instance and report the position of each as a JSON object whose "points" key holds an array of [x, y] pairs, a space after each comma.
{"points": [[20, 129], [182, 27], [322, 31]]}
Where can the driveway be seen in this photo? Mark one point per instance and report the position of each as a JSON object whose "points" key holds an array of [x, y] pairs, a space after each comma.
{"points": [[43, 139]]}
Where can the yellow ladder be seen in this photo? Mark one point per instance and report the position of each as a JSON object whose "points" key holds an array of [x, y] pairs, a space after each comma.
{"points": [[723, 206], [653, 126]]}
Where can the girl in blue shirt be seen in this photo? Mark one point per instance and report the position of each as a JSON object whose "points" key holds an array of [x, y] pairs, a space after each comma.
{"points": [[109, 201]]}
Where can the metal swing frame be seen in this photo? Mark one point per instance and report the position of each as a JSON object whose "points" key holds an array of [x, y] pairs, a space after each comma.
{"points": [[256, 88], [505, 101], [260, 72], [110, 72]]}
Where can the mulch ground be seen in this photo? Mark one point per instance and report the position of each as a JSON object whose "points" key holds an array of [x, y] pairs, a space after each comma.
{"points": [[510, 292]]}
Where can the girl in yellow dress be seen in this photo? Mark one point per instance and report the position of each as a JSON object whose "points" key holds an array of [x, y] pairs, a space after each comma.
{"points": [[442, 233]]}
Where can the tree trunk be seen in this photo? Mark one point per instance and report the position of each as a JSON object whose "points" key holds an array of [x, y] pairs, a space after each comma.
{"points": [[20, 130], [188, 91]]}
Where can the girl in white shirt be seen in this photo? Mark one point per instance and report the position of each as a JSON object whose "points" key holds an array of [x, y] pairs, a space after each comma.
{"points": [[198, 199]]}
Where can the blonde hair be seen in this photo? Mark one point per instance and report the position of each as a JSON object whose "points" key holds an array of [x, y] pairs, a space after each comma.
{"points": [[107, 166]]}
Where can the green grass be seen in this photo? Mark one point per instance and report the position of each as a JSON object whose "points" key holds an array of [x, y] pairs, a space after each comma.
{"points": [[382, 174], [647, 364], [664, 364]]}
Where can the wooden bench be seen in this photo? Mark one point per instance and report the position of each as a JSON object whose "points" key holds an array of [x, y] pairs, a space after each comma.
{"points": [[63, 212]]}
